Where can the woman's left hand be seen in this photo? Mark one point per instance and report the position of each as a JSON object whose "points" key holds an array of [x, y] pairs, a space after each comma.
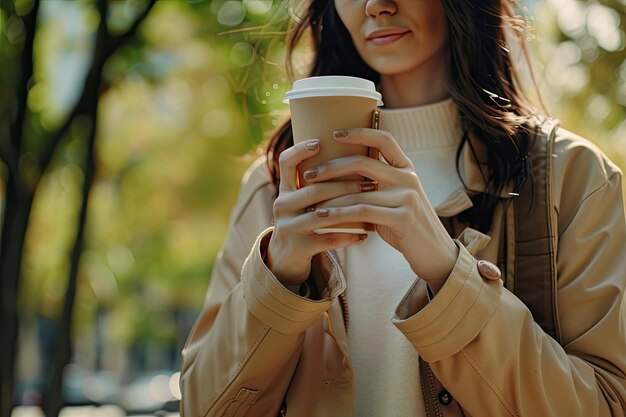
{"points": [[399, 208]]}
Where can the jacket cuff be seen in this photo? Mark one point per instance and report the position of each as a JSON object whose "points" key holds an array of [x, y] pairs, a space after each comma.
{"points": [[269, 301], [441, 327]]}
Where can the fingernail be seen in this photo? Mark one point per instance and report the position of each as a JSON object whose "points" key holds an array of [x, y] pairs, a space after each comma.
{"points": [[340, 133], [368, 186], [359, 238], [313, 145], [322, 212], [310, 174]]}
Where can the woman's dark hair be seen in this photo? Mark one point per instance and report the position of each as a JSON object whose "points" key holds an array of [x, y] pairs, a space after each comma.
{"points": [[482, 80]]}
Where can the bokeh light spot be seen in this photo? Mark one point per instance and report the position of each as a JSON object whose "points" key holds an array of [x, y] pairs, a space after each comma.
{"points": [[159, 388], [15, 31], [598, 108], [603, 25], [571, 18], [175, 386], [568, 53], [258, 6], [242, 54], [231, 13], [38, 99]]}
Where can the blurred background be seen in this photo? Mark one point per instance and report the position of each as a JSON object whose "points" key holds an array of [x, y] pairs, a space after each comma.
{"points": [[125, 127]]}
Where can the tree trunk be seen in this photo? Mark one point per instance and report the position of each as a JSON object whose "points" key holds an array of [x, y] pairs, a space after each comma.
{"points": [[63, 348], [18, 203], [20, 194], [104, 48], [15, 222]]}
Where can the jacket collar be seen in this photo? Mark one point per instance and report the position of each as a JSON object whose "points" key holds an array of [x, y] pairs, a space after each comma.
{"points": [[473, 171]]}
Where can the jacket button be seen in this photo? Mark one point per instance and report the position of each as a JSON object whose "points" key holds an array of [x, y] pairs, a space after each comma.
{"points": [[488, 270], [444, 397]]}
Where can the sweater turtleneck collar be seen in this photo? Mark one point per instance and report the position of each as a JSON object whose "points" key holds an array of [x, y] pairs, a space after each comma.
{"points": [[430, 135], [422, 128]]}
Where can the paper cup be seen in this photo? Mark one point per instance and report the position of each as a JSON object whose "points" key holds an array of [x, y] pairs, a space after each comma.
{"points": [[320, 105]]}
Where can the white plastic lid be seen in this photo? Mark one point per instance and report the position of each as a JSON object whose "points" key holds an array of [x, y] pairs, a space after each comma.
{"points": [[333, 85]]}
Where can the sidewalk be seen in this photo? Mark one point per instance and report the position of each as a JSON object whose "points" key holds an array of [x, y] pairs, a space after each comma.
{"points": [[89, 411]]}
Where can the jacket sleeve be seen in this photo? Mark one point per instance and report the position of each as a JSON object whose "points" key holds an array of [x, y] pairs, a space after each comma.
{"points": [[482, 343], [245, 345]]}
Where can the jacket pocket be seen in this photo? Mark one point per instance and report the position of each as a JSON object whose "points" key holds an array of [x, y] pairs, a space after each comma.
{"points": [[243, 401]]}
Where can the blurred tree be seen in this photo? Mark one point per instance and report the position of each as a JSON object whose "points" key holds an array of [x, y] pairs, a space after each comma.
{"points": [[582, 46], [17, 42], [168, 139], [27, 152]]}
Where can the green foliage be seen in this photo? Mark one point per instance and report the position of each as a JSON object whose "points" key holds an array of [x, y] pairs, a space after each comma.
{"points": [[583, 47], [251, 38], [184, 111], [175, 134]]}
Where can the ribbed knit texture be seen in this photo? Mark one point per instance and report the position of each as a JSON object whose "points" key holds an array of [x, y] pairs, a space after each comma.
{"points": [[385, 364], [425, 127]]}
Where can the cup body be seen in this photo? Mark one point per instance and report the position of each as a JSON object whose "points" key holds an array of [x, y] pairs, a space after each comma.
{"points": [[317, 112]]}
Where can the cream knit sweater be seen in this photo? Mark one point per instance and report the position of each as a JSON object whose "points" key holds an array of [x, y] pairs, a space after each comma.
{"points": [[385, 365]]}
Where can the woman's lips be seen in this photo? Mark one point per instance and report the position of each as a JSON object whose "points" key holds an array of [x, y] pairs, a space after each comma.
{"points": [[385, 40]]}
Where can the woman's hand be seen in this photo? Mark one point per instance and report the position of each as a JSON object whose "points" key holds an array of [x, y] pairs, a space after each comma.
{"points": [[403, 216], [293, 242]]}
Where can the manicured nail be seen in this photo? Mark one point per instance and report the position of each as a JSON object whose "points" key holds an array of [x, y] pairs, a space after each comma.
{"points": [[359, 238], [310, 174], [340, 133], [368, 186], [313, 145], [322, 212]]}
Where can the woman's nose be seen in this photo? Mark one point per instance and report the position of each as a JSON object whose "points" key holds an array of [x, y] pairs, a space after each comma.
{"points": [[376, 8]]}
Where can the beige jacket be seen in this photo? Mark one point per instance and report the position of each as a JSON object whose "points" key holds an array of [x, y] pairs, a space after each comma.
{"points": [[258, 349]]}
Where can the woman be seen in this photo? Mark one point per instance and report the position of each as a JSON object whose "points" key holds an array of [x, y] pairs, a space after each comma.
{"points": [[415, 319]]}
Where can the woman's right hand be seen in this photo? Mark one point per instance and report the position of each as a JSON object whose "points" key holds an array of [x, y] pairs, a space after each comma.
{"points": [[293, 242]]}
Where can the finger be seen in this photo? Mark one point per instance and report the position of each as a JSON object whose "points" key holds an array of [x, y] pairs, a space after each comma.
{"points": [[361, 165], [291, 157], [320, 243], [380, 139], [306, 223], [390, 197], [314, 194], [384, 216]]}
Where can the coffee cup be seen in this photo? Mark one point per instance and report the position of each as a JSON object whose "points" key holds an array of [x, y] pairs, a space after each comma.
{"points": [[320, 105]]}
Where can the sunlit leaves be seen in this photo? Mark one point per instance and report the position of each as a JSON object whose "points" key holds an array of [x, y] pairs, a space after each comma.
{"points": [[182, 107], [583, 46]]}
